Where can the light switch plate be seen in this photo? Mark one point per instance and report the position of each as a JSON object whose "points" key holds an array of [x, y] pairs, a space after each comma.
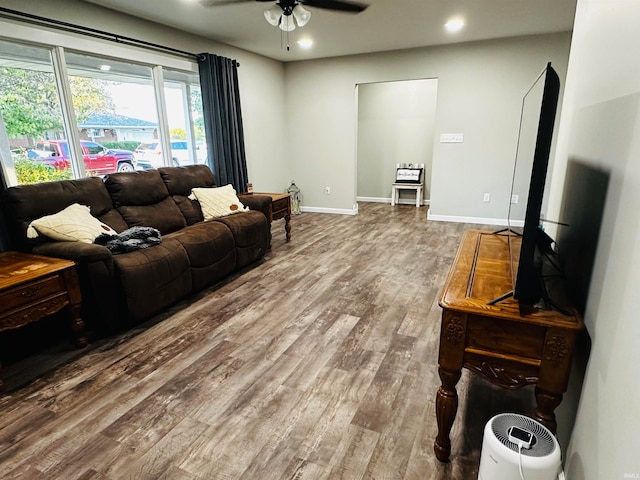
{"points": [[451, 138]]}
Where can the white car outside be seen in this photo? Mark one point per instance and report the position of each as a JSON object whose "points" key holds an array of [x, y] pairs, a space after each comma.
{"points": [[149, 154]]}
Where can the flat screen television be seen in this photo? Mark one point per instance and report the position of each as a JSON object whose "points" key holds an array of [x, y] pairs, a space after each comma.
{"points": [[532, 161]]}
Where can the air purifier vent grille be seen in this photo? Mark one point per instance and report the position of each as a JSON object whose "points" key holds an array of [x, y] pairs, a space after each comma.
{"points": [[543, 443]]}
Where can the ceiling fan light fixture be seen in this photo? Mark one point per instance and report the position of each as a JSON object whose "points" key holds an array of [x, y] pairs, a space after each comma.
{"points": [[301, 15], [287, 24], [273, 14]]}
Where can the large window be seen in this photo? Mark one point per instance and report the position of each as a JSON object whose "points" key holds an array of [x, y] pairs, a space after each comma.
{"points": [[31, 111], [119, 114], [114, 105], [186, 123]]}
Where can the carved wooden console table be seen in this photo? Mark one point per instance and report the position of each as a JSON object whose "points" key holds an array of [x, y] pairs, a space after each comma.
{"points": [[34, 286], [509, 344]]}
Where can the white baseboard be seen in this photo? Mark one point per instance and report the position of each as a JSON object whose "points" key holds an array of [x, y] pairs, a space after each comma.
{"points": [[373, 199], [335, 211], [403, 201], [477, 220]]}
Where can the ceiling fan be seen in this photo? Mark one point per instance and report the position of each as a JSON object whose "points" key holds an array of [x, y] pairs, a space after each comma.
{"points": [[287, 14]]}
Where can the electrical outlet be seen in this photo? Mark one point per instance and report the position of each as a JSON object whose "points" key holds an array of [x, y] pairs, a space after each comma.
{"points": [[515, 198], [487, 197], [327, 190], [451, 138]]}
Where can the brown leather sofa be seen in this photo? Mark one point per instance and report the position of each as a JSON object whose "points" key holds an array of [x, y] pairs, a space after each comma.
{"points": [[126, 288]]}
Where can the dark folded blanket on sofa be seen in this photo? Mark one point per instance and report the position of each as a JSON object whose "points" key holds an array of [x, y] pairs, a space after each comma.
{"points": [[134, 238]]}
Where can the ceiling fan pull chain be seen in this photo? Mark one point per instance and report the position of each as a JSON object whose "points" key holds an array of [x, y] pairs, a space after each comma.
{"points": [[282, 40]]}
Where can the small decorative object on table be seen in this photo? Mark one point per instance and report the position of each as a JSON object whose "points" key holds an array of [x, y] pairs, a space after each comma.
{"points": [[294, 191]]}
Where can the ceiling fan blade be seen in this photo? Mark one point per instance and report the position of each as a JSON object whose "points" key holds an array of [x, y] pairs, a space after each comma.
{"points": [[218, 3], [339, 5]]}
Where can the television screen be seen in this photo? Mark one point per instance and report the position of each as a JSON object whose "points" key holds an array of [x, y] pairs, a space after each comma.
{"points": [[535, 135]]}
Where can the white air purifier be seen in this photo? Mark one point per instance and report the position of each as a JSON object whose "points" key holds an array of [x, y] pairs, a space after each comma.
{"points": [[502, 458]]}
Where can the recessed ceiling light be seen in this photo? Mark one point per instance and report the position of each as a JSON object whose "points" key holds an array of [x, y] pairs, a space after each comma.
{"points": [[105, 68], [305, 43], [454, 25]]}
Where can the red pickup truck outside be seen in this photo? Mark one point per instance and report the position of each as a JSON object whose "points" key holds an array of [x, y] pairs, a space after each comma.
{"points": [[98, 159]]}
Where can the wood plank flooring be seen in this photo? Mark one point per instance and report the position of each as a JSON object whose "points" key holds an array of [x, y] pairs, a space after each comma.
{"points": [[320, 362]]}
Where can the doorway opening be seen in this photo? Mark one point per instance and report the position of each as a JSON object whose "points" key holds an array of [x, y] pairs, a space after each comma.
{"points": [[396, 124]]}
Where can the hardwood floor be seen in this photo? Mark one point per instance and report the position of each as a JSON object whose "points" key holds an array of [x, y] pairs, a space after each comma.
{"points": [[318, 363]]}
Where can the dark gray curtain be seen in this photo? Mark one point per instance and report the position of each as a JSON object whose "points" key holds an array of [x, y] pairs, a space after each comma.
{"points": [[223, 120]]}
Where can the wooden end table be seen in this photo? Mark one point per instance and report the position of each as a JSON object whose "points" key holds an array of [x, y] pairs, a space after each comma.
{"points": [[280, 208], [508, 343], [34, 286]]}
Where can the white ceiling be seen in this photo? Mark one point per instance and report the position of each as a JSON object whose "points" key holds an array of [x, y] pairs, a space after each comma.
{"points": [[385, 25]]}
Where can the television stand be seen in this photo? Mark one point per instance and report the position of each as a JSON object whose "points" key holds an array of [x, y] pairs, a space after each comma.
{"points": [[511, 344], [502, 297]]}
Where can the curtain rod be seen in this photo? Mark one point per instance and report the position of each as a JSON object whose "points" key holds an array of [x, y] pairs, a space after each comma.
{"points": [[91, 32]]}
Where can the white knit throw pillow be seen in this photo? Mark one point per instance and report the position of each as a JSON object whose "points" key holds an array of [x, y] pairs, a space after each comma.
{"points": [[73, 224], [218, 202]]}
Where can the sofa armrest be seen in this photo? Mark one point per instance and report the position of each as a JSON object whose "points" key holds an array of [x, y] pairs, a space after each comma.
{"points": [[262, 203], [103, 303], [77, 251], [255, 201]]}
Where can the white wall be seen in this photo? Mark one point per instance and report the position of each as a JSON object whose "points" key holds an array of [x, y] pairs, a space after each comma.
{"points": [[313, 139], [480, 88], [600, 131], [395, 125], [261, 80]]}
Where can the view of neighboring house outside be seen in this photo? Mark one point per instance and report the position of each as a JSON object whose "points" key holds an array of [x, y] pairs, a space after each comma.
{"points": [[111, 127]]}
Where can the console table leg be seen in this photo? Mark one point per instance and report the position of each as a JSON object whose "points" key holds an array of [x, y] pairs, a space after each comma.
{"points": [[75, 306], [287, 226], [77, 327], [546, 404], [446, 408]]}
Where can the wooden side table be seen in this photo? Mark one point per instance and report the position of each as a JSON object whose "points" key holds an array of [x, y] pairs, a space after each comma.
{"points": [[34, 286], [280, 208], [509, 344]]}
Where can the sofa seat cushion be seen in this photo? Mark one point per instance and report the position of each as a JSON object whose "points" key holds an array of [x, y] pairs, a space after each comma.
{"points": [[153, 278], [179, 182], [204, 242], [211, 250], [250, 233], [143, 200], [164, 216], [190, 209]]}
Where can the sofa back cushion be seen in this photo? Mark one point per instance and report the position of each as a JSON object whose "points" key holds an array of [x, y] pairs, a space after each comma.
{"points": [[180, 181], [24, 203], [143, 200]]}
